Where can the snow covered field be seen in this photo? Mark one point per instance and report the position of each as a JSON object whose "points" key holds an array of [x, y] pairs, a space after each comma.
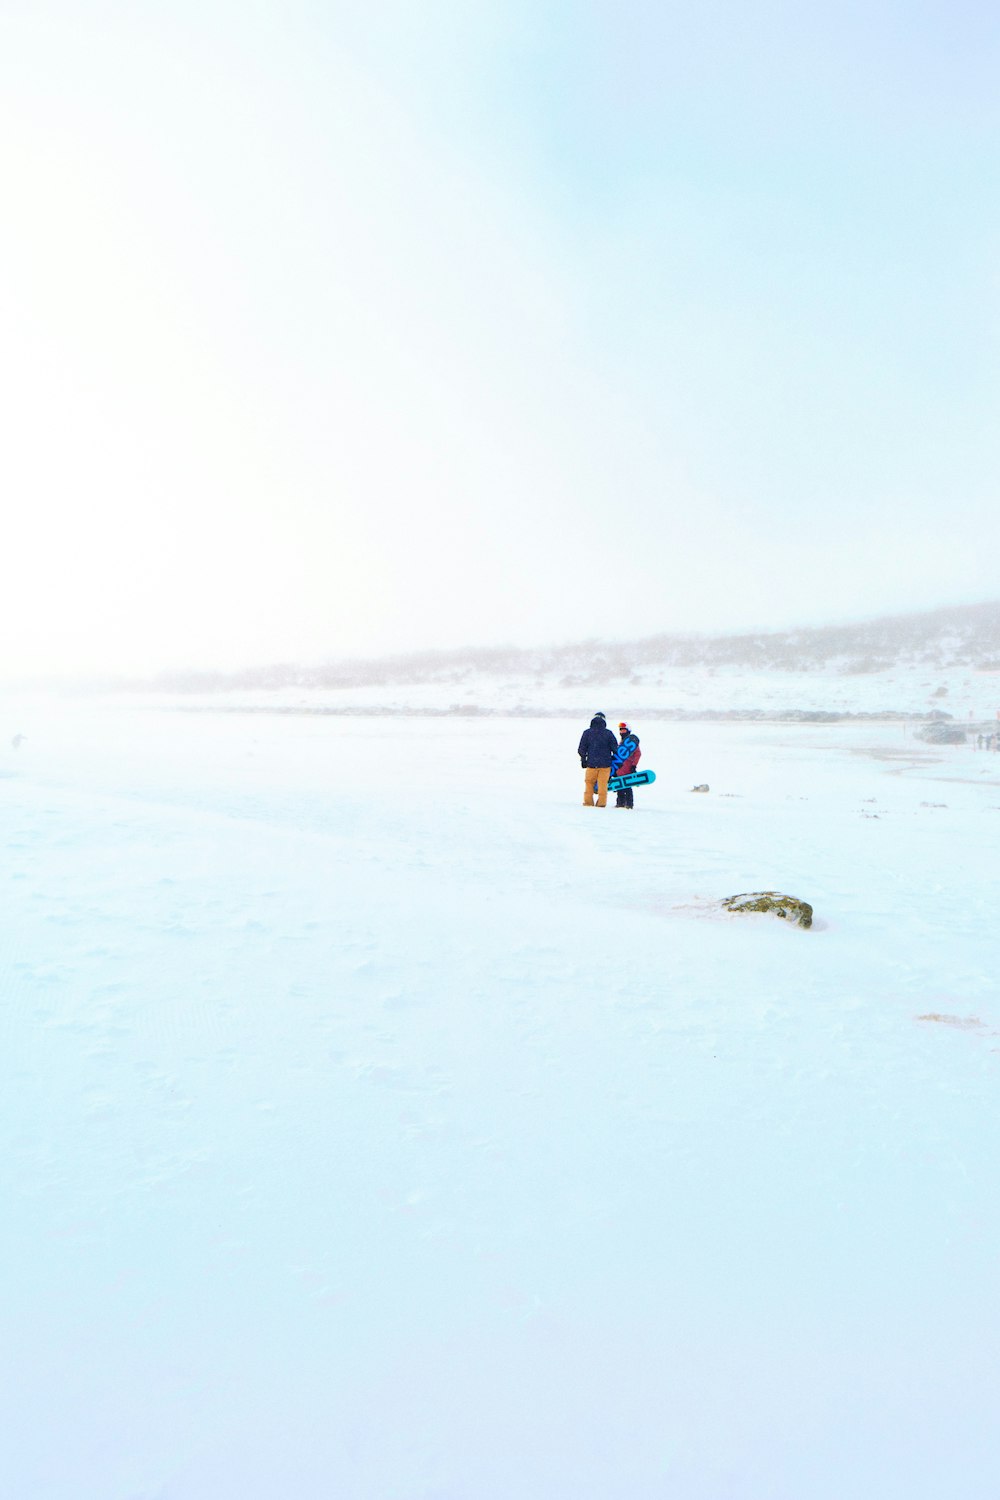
{"points": [[379, 1123]]}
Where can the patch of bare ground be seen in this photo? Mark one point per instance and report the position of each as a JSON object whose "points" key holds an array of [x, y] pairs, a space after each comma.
{"points": [[886, 752], [960, 1023]]}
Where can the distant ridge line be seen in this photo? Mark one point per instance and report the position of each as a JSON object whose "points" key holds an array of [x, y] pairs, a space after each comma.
{"points": [[959, 635]]}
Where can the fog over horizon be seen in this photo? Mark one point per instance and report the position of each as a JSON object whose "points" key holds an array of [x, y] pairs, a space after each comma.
{"points": [[342, 332], [953, 636]]}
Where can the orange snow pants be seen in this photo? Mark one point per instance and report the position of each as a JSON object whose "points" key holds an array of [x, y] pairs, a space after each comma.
{"points": [[595, 778]]}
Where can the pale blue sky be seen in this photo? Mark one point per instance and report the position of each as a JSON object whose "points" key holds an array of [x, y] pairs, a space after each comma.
{"points": [[331, 328]]}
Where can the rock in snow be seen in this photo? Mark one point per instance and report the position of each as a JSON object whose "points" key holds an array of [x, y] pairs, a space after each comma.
{"points": [[789, 907]]}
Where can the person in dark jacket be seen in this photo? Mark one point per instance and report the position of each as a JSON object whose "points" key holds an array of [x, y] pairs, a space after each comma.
{"points": [[627, 760], [596, 750]]}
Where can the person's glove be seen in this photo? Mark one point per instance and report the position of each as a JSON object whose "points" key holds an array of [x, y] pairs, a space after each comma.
{"points": [[583, 762]]}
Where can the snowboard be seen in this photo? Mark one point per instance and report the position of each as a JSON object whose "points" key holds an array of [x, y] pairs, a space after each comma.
{"points": [[621, 755], [634, 778]]}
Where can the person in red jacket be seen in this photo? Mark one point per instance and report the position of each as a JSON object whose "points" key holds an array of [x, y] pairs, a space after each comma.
{"points": [[624, 798]]}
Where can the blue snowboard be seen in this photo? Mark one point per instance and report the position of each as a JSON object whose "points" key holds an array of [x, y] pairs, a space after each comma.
{"points": [[634, 778], [621, 755]]}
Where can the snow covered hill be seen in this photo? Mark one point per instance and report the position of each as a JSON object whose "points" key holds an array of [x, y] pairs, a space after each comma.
{"points": [[945, 662]]}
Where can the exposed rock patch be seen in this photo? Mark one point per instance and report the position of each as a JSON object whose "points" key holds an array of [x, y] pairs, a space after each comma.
{"points": [[788, 907]]}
